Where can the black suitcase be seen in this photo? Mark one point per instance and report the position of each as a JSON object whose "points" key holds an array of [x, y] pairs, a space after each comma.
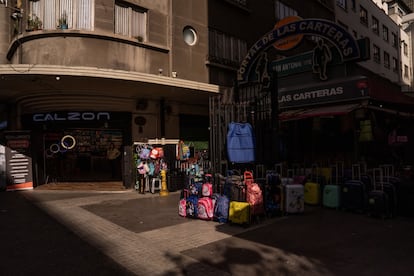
{"points": [[353, 196], [382, 199], [378, 204]]}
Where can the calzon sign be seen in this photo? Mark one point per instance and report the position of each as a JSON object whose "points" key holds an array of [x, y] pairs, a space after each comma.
{"points": [[71, 116]]}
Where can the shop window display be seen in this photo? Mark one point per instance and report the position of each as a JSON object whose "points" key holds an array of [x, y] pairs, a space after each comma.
{"points": [[81, 154]]}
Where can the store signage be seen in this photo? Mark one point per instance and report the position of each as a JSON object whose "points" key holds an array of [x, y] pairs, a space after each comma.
{"points": [[337, 35], [334, 92], [18, 161], [71, 116]]}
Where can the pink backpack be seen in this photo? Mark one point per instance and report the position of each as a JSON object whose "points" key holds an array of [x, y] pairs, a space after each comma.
{"points": [[182, 207], [255, 197], [207, 188], [205, 208]]}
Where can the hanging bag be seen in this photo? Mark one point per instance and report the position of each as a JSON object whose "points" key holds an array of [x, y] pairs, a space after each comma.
{"points": [[240, 143]]}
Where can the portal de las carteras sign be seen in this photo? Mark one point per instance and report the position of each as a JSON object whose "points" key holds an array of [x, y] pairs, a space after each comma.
{"points": [[338, 36]]}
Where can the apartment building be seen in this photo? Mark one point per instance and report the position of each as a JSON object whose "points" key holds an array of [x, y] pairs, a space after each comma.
{"points": [[95, 72]]}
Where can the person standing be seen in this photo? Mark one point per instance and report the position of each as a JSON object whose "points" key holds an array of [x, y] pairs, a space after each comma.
{"points": [[112, 154]]}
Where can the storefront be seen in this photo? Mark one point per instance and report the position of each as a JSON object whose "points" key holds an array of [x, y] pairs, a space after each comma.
{"points": [[72, 146]]}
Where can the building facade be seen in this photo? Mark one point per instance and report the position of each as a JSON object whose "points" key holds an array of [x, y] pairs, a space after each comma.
{"points": [[101, 72]]}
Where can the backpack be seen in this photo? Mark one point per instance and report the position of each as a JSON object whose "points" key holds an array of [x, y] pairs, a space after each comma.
{"points": [[205, 208], [221, 209], [191, 207]]}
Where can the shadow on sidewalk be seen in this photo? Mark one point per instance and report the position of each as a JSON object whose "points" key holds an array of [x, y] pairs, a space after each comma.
{"points": [[33, 243]]}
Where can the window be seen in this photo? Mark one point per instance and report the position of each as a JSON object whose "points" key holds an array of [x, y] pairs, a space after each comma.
{"points": [[79, 13], [190, 36], [394, 40], [130, 20], [355, 34], [405, 71], [283, 11], [385, 32], [386, 60], [405, 48], [363, 16], [226, 49], [375, 25], [353, 5], [341, 3], [394, 64], [376, 53]]}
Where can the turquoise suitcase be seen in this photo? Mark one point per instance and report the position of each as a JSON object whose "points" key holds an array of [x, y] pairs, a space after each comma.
{"points": [[331, 196]]}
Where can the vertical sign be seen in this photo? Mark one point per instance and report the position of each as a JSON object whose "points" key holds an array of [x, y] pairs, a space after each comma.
{"points": [[18, 162]]}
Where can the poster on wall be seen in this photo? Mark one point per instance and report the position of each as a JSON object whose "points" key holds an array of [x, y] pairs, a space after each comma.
{"points": [[19, 175]]}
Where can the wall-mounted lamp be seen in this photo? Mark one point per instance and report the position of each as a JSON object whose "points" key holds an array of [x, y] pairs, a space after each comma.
{"points": [[160, 71]]}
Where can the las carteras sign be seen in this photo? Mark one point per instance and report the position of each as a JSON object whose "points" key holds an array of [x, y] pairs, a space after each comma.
{"points": [[339, 37], [351, 88]]}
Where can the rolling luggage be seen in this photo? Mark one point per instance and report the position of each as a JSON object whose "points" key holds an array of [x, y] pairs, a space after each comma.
{"points": [[234, 186], [312, 193], [254, 194], [353, 195], [239, 212], [354, 192], [272, 193], [331, 194], [191, 206], [293, 198], [207, 187], [182, 207], [205, 209], [221, 208], [382, 199]]}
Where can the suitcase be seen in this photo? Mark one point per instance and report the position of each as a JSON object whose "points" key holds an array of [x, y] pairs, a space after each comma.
{"points": [[312, 193], [293, 199], [239, 212], [205, 208], [354, 191], [382, 199], [331, 194], [353, 196]]}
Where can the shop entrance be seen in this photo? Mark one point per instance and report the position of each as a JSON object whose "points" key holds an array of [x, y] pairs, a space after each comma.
{"points": [[81, 155]]}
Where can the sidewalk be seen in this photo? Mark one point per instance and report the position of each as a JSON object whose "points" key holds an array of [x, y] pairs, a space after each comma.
{"points": [[126, 233]]}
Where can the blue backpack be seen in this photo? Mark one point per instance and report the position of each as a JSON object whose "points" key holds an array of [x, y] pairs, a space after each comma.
{"points": [[221, 208], [192, 206]]}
